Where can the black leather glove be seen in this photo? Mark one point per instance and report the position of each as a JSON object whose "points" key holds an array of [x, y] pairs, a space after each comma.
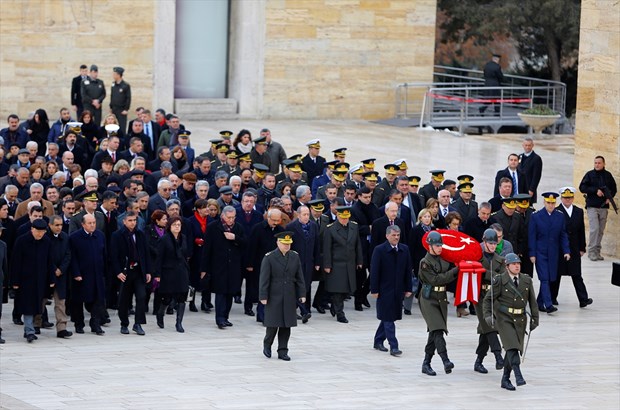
{"points": [[533, 325]]}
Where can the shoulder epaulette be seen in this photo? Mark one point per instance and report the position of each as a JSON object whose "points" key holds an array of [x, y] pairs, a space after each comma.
{"points": [[328, 225], [352, 222]]}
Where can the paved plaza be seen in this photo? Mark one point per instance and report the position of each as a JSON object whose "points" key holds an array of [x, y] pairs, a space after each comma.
{"points": [[572, 362]]}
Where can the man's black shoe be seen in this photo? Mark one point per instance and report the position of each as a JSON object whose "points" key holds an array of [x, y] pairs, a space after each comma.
{"points": [[124, 330], [380, 348], [284, 357], [249, 312], [267, 351], [227, 323], [138, 329], [79, 330], [37, 330], [585, 303], [306, 317], [221, 326], [552, 309], [319, 309], [98, 332], [343, 319], [238, 300], [31, 338], [18, 322], [407, 312], [395, 352], [63, 334], [47, 325]]}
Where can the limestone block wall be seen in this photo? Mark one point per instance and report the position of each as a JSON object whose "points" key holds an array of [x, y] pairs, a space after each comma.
{"points": [[342, 58], [43, 43], [598, 100]]}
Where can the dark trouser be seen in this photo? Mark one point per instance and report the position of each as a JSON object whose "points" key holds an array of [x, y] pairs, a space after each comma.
{"points": [[363, 286], [156, 298], [580, 288], [527, 266], [338, 303], [134, 284], [386, 330], [96, 309], [486, 342], [17, 315], [206, 297], [305, 307], [284, 333], [321, 297], [512, 359], [223, 304], [251, 290], [435, 341], [122, 120]]}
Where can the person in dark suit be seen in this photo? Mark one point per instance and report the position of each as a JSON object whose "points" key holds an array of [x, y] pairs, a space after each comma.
{"points": [[493, 77], [248, 217], [32, 277], [221, 262], [4, 270], [61, 260], [70, 144], [88, 267], [172, 271], [151, 129], [476, 226], [512, 172], [281, 286], [531, 165], [548, 242], [576, 231], [76, 90], [342, 255], [390, 282], [158, 201], [377, 231], [136, 147], [261, 241], [306, 244], [505, 191], [131, 264], [312, 163]]}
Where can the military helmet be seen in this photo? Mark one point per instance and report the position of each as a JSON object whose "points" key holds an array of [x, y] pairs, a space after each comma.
{"points": [[490, 236], [512, 258], [434, 238]]}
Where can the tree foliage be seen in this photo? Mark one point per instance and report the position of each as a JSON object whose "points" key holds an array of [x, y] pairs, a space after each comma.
{"points": [[546, 31]]}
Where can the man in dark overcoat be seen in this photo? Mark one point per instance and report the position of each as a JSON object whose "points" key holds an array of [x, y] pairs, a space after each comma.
{"points": [[506, 309], [221, 262], [281, 285], [88, 267], [576, 231], [342, 254], [261, 241], [390, 283], [306, 244], [547, 242], [32, 277], [4, 272], [131, 264], [61, 260]]}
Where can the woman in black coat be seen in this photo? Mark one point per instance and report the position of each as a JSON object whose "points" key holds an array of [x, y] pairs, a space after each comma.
{"points": [[38, 128], [172, 271], [154, 231]]}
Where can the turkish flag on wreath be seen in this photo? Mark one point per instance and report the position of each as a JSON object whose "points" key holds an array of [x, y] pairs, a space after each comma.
{"points": [[465, 252]]}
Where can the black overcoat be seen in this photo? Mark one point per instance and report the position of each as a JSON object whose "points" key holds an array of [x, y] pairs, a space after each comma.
{"points": [[61, 259], [307, 248], [390, 277], [576, 231], [171, 265], [88, 260], [31, 270], [221, 258]]}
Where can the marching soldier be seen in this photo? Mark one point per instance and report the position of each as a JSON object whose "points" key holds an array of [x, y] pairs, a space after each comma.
{"points": [[494, 265], [435, 273], [505, 308], [93, 94], [120, 97], [281, 285]]}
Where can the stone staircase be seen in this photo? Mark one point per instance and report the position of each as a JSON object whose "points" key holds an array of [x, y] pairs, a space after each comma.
{"points": [[198, 109]]}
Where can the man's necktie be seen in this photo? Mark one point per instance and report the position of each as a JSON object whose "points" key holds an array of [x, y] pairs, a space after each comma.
{"points": [[515, 189], [516, 282], [445, 212], [113, 156]]}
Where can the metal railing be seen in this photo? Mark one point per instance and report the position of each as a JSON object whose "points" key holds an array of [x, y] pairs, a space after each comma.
{"points": [[458, 98]]}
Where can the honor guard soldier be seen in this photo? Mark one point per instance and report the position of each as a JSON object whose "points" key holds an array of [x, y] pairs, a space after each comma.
{"points": [[434, 274], [506, 309], [494, 265], [281, 286], [93, 94], [120, 97]]}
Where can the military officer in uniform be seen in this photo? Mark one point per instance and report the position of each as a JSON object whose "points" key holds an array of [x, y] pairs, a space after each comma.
{"points": [[505, 308], [93, 94], [431, 189], [576, 231], [313, 163], [342, 255], [120, 97], [387, 184], [547, 238], [434, 274], [281, 284], [494, 265], [465, 205]]}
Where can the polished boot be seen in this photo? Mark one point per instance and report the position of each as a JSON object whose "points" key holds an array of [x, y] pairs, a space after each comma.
{"points": [[447, 364], [479, 367], [499, 360], [506, 380], [192, 306], [518, 376], [426, 366], [160, 315], [180, 313]]}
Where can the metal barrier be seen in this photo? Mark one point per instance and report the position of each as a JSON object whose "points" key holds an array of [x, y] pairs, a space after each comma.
{"points": [[459, 99]]}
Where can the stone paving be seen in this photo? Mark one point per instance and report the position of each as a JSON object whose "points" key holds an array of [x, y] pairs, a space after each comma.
{"points": [[572, 361]]}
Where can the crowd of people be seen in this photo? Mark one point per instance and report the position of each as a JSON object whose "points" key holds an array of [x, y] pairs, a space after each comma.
{"points": [[121, 216]]}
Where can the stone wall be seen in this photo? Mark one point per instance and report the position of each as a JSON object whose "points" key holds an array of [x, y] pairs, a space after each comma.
{"points": [[43, 43], [342, 58], [598, 100]]}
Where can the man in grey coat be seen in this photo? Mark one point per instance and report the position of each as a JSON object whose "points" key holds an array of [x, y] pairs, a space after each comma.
{"points": [[281, 284]]}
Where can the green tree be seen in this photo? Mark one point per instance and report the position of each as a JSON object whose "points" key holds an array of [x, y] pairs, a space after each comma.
{"points": [[546, 31]]}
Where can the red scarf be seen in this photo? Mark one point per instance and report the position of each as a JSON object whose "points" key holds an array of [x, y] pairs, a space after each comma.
{"points": [[202, 221]]}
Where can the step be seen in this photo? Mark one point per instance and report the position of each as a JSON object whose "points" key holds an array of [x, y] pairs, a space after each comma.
{"points": [[206, 108]]}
